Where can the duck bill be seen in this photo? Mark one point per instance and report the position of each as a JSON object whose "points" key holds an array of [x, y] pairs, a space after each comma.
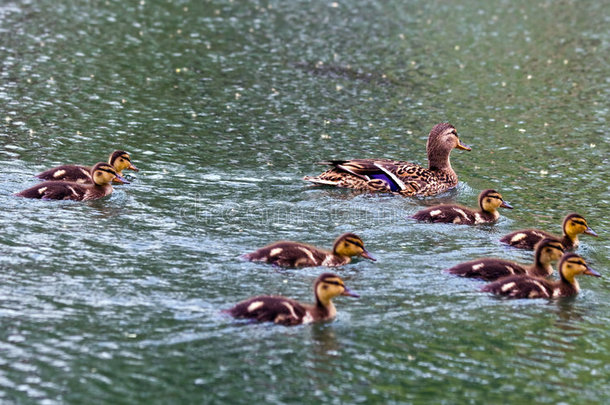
{"points": [[463, 146], [120, 179], [590, 231], [367, 255], [506, 205], [349, 293], [591, 272], [132, 167]]}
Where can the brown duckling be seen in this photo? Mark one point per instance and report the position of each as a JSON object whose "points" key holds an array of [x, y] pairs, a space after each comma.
{"points": [[102, 174], [524, 286], [489, 202], [289, 312], [573, 225], [490, 269], [396, 176], [118, 159], [296, 254]]}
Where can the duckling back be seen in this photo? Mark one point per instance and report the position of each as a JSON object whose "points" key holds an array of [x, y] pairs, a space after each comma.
{"points": [[275, 309], [487, 269], [288, 254], [73, 173]]}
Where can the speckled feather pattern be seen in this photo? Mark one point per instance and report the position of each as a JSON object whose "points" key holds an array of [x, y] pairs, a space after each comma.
{"points": [[417, 180]]}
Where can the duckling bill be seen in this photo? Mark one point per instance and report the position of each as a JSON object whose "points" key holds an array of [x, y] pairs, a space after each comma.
{"points": [[395, 176], [102, 174], [489, 202], [296, 254], [289, 312]]}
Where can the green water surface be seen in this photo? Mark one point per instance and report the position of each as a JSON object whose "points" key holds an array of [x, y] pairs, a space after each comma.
{"points": [[225, 106]]}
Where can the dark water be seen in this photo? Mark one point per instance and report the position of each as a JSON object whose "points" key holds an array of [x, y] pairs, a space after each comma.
{"points": [[224, 106]]}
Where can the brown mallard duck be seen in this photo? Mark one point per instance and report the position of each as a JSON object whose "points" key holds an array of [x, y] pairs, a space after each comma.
{"points": [[119, 160], [489, 202], [288, 312], [547, 250], [296, 254], [397, 176], [573, 225], [571, 265], [102, 174]]}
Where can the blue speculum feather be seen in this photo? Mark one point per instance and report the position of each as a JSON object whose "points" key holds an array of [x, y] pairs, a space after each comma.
{"points": [[384, 177]]}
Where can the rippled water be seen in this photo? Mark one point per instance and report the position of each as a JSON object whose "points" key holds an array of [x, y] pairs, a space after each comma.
{"points": [[224, 106]]}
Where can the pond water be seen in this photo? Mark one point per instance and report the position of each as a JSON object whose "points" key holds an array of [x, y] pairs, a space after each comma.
{"points": [[225, 106]]}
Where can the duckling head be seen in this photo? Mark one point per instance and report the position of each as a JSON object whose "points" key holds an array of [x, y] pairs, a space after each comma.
{"points": [[442, 140], [548, 250], [491, 200], [102, 174], [329, 286], [350, 245], [574, 224], [572, 265], [120, 160]]}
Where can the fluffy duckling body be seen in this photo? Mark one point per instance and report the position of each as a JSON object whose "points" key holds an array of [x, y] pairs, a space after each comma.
{"points": [[490, 269], [119, 160], [289, 312], [524, 286], [296, 254], [396, 176], [102, 174], [489, 202], [573, 225]]}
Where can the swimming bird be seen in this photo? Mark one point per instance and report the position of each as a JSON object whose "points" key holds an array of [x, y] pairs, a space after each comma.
{"points": [[397, 176], [547, 251], [573, 225], [289, 312], [489, 202], [118, 159], [297, 254], [571, 265], [102, 174]]}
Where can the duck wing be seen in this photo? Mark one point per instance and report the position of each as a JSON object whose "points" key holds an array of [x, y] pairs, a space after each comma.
{"points": [[389, 171]]}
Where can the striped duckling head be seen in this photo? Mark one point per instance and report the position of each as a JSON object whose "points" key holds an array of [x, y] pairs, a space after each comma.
{"points": [[548, 250], [120, 160], [572, 265], [575, 224], [103, 173], [329, 286], [349, 245], [491, 200]]}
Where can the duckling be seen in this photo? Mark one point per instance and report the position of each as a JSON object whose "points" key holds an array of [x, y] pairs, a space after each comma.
{"points": [[524, 286], [573, 225], [489, 202], [396, 176], [119, 159], [288, 312], [296, 254], [490, 269], [102, 174]]}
